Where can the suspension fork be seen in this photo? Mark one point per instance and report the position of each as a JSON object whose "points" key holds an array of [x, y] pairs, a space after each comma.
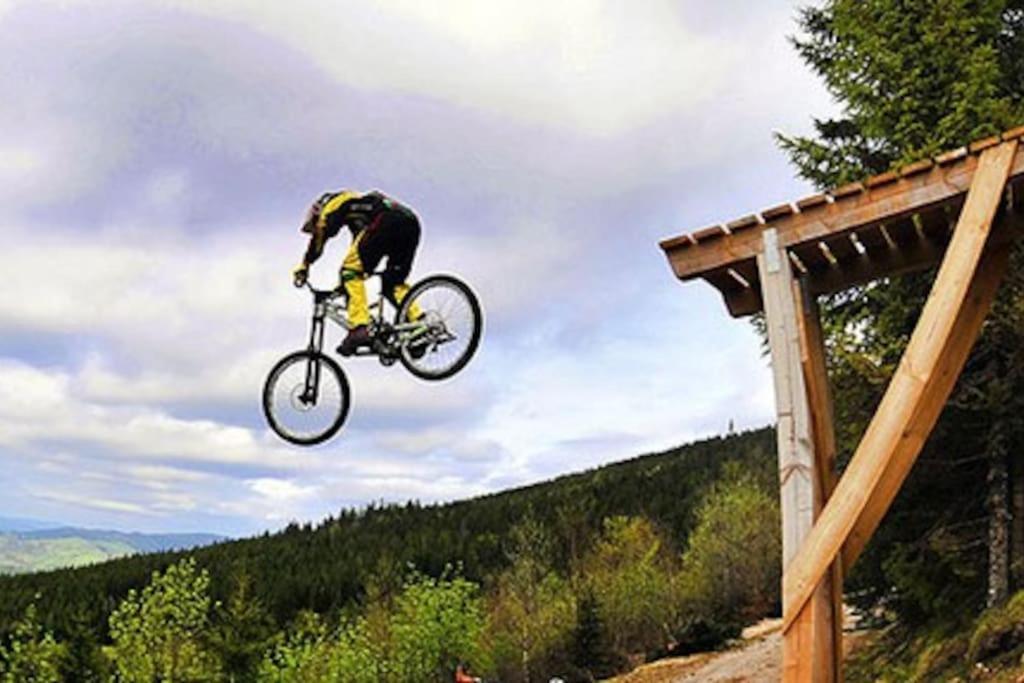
{"points": [[316, 342]]}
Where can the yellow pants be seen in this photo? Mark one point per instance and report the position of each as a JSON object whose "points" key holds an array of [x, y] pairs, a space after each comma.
{"points": [[352, 277]]}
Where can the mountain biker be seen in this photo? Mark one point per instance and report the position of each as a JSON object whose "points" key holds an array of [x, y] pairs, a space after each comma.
{"points": [[380, 226]]}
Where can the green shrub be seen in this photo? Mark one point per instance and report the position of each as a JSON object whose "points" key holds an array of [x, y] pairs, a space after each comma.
{"points": [[630, 573], [998, 630], [160, 634], [32, 653], [303, 654], [418, 637], [731, 568]]}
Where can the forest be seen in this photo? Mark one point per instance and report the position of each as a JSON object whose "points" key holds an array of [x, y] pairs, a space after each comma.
{"points": [[581, 576]]}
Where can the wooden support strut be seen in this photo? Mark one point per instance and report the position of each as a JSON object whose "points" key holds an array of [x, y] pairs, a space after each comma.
{"points": [[819, 397], [920, 386], [809, 649]]}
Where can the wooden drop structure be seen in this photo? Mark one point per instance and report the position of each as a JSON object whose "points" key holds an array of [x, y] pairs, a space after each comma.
{"points": [[960, 210]]}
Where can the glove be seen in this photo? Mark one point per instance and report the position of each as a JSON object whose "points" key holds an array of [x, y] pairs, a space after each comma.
{"points": [[299, 274]]}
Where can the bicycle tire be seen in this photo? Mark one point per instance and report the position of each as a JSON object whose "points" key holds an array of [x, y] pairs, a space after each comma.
{"points": [[336, 418], [415, 365]]}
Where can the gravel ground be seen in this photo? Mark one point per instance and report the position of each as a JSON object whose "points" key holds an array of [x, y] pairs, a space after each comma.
{"points": [[756, 658]]}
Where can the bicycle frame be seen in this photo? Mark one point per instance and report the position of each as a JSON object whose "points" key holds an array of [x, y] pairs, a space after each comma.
{"points": [[326, 308]]}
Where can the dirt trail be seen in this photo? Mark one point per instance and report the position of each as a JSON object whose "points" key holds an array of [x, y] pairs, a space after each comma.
{"points": [[755, 659]]}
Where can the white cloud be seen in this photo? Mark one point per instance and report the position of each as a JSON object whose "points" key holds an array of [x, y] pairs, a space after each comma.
{"points": [[453, 442], [105, 504], [38, 406], [280, 490], [599, 67]]}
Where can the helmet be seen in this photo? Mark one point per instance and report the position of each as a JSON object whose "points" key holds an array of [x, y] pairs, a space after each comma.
{"points": [[313, 212]]}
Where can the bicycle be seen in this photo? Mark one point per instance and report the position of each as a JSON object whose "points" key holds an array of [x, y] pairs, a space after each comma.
{"points": [[434, 334]]}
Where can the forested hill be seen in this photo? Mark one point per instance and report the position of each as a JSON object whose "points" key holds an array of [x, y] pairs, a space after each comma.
{"points": [[325, 567]]}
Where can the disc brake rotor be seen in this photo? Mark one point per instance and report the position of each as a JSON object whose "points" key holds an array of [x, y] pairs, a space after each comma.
{"points": [[297, 400]]}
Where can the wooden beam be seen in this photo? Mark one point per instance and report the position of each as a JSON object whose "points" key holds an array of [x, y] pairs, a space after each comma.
{"points": [[879, 261], [954, 354], [899, 417], [819, 397], [903, 197], [807, 653], [862, 268]]}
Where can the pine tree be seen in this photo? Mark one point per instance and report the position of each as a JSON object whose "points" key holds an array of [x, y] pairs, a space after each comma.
{"points": [[243, 630], [590, 644], [85, 661]]}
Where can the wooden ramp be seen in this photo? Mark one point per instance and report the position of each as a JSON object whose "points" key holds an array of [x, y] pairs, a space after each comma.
{"points": [[961, 209]]}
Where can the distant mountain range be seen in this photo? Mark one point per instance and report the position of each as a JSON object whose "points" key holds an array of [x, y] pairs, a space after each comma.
{"points": [[29, 545]]}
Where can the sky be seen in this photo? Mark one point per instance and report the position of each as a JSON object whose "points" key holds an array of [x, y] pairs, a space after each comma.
{"points": [[157, 158]]}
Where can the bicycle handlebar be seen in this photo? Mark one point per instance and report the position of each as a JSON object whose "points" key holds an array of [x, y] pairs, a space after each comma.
{"points": [[323, 293], [337, 291]]}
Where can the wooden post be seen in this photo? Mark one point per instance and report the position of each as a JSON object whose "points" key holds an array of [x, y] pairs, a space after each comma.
{"points": [[819, 396], [807, 652]]}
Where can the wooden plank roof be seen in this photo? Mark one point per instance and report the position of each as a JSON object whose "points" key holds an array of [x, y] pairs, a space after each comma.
{"points": [[887, 224]]}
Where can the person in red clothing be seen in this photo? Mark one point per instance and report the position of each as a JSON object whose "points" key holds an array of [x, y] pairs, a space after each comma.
{"points": [[461, 676]]}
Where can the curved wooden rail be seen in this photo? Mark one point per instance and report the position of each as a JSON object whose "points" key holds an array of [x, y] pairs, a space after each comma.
{"points": [[920, 386], [965, 330]]}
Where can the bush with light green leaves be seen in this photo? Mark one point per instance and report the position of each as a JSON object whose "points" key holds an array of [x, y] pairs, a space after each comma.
{"points": [[32, 655], [160, 633]]}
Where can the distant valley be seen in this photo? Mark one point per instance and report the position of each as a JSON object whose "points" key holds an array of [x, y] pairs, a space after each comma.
{"points": [[28, 545]]}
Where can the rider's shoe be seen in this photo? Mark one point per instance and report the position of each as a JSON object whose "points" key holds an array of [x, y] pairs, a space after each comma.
{"points": [[357, 337]]}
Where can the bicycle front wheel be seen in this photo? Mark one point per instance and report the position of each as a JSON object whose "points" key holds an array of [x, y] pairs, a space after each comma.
{"points": [[306, 398], [439, 325]]}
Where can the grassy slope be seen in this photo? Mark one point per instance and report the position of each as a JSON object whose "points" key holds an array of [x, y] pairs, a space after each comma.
{"points": [[31, 555], [36, 550], [989, 648]]}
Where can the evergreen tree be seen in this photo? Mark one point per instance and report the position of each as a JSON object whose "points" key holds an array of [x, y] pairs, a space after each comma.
{"points": [[242, 632], [590, 643], [913, 79], [329, 567], [85, 661]]}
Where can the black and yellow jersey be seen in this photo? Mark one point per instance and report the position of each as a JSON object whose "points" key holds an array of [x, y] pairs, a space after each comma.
{"points": [[355, 210]]}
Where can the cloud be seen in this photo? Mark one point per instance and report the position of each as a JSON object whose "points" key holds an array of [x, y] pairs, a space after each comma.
{"points": [[38, 406], [94, 503], [582, 65], [280, 490]]}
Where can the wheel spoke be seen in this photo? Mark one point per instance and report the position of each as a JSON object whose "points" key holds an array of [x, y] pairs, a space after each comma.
{"points": [[454, 332], [293, 413]]}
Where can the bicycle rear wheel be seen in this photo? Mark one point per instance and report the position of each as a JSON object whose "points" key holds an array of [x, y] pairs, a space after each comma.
{"points": [[306, 398], [452, 323]]}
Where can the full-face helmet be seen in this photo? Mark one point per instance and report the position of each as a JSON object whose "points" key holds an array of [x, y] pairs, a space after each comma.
{"points": [[313, 212]]}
